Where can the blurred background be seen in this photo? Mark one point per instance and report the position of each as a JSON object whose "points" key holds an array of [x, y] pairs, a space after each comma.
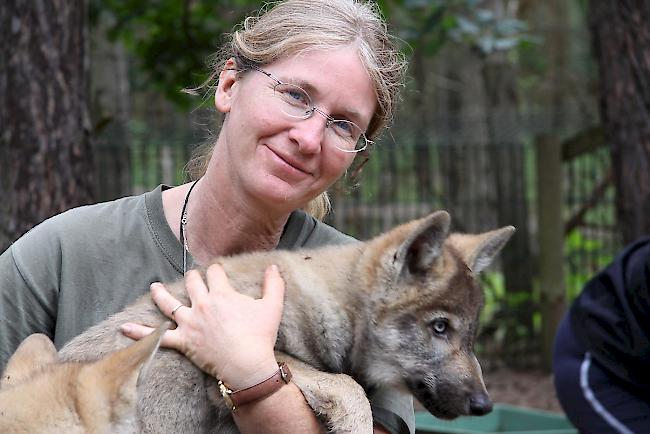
{"points": [[516, 112]]}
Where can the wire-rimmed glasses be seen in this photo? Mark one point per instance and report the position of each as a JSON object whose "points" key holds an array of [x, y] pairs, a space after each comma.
{"points": [[296, 103]]}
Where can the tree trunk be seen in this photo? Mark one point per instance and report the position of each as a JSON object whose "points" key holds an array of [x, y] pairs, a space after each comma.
{"points": [[45, 141], [621, 42]]}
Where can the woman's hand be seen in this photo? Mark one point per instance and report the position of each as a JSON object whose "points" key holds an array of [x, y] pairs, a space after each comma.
{"points": [[227, 334]]}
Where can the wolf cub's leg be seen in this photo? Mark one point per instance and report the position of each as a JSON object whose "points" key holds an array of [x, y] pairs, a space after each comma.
{"points": [[335, 398]]}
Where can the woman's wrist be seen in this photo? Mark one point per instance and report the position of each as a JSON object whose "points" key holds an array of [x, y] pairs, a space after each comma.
{"points": [[240, 376], [258, 391]]}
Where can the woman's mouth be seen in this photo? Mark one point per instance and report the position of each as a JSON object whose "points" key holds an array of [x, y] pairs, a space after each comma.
{"points": [[290, 164]]}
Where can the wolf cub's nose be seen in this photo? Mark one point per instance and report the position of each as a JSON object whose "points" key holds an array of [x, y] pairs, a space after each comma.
{"points": [[480, 404]]}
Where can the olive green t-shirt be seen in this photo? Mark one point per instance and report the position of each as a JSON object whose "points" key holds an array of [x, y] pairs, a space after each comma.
{"points": [[75, 269]]}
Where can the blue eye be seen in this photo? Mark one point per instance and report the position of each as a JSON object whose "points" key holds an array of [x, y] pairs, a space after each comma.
{"points": [[439, 326], [346, 129], [296, 95], [293, 95]]}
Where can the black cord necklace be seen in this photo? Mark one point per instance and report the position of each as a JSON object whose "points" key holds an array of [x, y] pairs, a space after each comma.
{"points": [[182, 227]]}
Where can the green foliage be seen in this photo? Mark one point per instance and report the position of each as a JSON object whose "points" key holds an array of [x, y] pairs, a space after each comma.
{"points": [[170, 39], [495, 291], [499, 303], [503, 335], [586, 256], [486, 32], [428, 25]]}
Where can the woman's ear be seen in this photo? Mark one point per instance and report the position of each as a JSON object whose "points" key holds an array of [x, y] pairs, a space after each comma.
{"points": [[223, 94]]}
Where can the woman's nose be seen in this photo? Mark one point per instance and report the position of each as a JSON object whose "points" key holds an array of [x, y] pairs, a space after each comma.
{"points": [[310, 134]]}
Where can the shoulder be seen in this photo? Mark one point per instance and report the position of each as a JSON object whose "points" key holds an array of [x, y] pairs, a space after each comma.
{"points": [[631, 269], [628, 271], [635, 259], [304, 231], [94, 219], [80, 227]]}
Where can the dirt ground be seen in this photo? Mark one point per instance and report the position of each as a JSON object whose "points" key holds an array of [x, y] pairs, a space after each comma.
{"points": [[522, 388], [532, 389]]}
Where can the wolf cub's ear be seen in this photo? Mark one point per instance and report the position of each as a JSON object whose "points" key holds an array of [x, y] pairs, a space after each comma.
{"points": [[478, 251], [421, 249], [118, 373], [34, 353]]}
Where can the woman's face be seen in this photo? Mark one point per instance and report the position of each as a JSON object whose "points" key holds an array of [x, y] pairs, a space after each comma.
{"points": [[282, 162]]}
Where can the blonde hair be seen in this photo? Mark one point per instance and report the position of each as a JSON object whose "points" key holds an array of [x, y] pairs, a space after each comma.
{"points": [[287, 28]]}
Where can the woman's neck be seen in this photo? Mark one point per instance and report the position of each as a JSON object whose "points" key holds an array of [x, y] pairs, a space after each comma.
{"points": [[219, 222]]}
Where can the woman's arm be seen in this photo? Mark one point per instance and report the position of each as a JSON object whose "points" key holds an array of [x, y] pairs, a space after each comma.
{"points": [[24, 309]]}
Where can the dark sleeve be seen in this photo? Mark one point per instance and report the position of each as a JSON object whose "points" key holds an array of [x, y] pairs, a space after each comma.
{"points": [[26, 305], [611, 317]]}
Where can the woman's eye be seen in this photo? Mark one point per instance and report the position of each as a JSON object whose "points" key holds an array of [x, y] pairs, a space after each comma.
{"points": [[344, 128], [293, 95], [439, 326], [296, 95]]}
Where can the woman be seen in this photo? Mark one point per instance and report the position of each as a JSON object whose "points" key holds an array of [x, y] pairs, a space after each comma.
{"points": [[303, 87], [602, 348]]}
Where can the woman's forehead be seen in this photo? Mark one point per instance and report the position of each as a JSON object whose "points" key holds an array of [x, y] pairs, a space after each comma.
{"points": [[338, 75]]}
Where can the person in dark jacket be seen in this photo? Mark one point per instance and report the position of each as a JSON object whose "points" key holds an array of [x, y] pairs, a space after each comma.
{"points": [[601, 357]]}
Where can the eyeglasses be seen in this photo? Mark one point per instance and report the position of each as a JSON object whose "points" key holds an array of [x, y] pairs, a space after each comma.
{"points": [[296, 103]]}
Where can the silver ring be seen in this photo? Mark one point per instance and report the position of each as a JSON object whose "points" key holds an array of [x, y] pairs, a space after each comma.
{"points": [[176, 308]]}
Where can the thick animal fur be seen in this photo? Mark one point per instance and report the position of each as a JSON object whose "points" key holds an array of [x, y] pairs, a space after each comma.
{"points": [[38, 394], [400, 310]]}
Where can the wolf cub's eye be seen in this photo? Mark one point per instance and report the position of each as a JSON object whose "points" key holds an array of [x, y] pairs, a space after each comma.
{"points": [[439, 326]]}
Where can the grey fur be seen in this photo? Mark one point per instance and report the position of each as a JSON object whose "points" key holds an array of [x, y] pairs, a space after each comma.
{"points": [[349, 311]]}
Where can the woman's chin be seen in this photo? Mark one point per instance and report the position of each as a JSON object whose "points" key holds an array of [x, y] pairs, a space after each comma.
{"points": [[279, 193]]}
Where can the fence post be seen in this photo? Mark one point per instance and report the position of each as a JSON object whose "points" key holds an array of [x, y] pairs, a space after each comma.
{"points": [[551, 240]]}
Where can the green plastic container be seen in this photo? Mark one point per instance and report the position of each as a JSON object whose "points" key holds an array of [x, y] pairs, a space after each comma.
{"points": [[503, 419]]}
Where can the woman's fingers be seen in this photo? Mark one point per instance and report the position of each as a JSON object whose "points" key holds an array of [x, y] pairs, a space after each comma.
{"points": [[167, 303], [195, 286], [217, 279], [171, 338], [217, 333], [273, 288]]}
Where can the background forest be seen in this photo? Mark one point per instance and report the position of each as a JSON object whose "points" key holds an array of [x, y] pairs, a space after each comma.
{"points": [[525, 112]]}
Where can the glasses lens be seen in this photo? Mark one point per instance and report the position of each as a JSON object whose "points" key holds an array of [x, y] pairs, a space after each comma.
{"points": [[347, 135], [295, 101]]}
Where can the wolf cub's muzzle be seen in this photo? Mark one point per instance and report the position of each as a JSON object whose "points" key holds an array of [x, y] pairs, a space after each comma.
{"points": [[447, 401]]}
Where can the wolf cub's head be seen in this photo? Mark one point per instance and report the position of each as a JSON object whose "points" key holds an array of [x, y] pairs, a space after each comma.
{"points": [[38, 394], [425, 312]]}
